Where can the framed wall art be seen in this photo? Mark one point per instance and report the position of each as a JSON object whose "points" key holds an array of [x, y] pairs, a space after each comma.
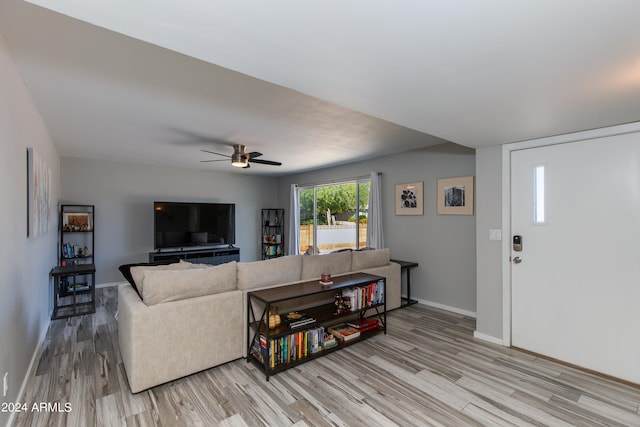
{"points": [[410, 198], [38, 194], [455, 196]]}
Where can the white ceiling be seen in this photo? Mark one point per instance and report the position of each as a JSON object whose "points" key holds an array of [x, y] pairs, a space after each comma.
{"points": [[313, 84]]}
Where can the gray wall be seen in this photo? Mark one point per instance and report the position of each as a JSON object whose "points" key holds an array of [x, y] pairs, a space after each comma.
{"points": [[25, 292], [123, 195], [489, 252], [443, 245]]}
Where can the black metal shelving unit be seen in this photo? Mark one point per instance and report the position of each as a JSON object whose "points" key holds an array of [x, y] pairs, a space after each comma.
{"points": [[272, 233], [74, 276]]}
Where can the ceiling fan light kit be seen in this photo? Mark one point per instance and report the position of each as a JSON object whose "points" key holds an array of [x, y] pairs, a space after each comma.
{"points": [[239, 161]]}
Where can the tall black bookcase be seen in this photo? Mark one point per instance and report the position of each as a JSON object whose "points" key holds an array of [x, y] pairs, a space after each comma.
{"points": [[74, 276], [272, 233]]}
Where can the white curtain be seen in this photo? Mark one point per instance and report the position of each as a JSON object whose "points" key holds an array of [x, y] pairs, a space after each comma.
{"points": [[375, 236], [293, 243]]}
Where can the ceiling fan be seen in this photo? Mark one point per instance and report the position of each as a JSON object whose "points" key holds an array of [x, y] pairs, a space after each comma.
{"points": [[240, 158]]}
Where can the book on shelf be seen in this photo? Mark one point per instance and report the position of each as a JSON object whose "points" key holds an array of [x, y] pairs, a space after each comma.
{"points": [[344, 332], [80, 286], [259, 348], [364, 325]]}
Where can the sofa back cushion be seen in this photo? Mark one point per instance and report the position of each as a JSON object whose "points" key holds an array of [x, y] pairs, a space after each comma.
{"points": [[172, 285], [136, 272], [369, 259], [335, 263], [258, 274]]}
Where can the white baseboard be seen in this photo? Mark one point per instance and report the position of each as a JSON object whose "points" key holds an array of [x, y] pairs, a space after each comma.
{"points": [[488, 338], [445, 307]]}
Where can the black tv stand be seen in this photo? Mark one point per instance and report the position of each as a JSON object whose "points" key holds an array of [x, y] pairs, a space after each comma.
{"points": [[213, 256]]}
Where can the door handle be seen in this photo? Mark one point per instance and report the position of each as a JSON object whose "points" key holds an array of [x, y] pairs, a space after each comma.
{"points": [[517, 260]]}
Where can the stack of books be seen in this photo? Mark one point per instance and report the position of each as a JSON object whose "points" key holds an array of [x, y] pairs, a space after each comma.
{"points": [[305, 320], [344, 332], [296, 320], [365, 325]]}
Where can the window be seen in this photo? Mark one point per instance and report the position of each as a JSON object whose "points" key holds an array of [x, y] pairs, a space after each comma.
{"points": [[540, 195], [333, 216]]}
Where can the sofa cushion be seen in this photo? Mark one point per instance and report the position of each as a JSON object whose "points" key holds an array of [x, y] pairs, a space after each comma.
{"points": [[369, 259], [314, 265], [137, 273], [173, 285], [257, 274], [125, 269]]}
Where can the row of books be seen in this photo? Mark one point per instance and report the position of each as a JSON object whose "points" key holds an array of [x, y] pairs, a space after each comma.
{"points": [[70, 250], [364, 296], [292, 347], [299, 345]]}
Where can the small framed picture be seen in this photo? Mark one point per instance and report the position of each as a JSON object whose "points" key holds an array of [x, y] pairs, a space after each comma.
{"points": [[455, 196], [77, 221], [410, 198]]}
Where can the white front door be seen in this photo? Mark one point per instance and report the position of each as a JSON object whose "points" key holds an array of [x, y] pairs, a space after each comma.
{"points": [[576, 289]]}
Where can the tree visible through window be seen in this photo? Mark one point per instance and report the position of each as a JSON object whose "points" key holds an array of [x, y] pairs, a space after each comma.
{"points": [[333, 216]]}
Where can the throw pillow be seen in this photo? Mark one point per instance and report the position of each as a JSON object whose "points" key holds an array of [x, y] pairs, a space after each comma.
{"points": [[125, 269]]}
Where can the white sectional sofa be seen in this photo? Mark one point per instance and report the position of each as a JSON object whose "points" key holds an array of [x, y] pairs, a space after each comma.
{"points": [[178, 319]]}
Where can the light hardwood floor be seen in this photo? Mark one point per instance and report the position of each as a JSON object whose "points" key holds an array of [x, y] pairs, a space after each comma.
{"points": [[428, 370]]}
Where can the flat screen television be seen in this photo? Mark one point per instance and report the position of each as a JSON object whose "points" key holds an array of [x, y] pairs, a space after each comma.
{"points": [[188, 225]]}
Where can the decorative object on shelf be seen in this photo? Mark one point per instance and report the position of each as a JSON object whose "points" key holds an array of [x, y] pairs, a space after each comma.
{"points": [[343, 304], [76, 221], [325, 277], [410, 198], [274, 318], [455, 196]]}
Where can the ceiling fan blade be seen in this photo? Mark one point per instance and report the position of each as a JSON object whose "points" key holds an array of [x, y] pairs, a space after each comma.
{"points": [[265, 162], [213, 152], [217, 160], [252, 155]]}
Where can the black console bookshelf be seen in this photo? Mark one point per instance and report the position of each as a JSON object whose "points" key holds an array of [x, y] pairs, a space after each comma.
{"points": [[284, 346], [213, 256]]}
